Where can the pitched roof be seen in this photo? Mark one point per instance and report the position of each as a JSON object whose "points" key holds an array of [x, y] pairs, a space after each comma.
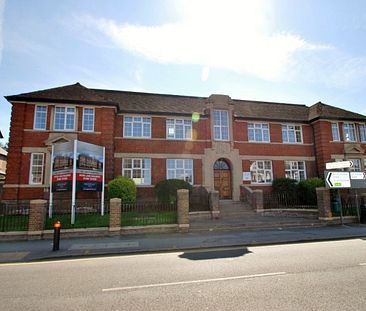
{"points": [[323, 111], [270, 111], [154, 103], [149, 103], [68, 93]]}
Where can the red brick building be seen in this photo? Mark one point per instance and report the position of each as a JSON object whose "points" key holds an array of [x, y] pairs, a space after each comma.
{"points": [[216, 142]]}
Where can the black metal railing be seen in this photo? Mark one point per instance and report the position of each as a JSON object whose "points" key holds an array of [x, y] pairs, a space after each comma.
{"points": [[14, 216], [349, 204], [87, 214], [285, 201], [152, 213]]}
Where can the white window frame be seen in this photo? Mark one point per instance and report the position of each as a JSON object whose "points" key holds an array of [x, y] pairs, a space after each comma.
{"points": [[65, 118], [294, 172], [256, 126], [220, 126], [32, 166], [255, 172], [144, 166], [171, 128], [93, 110], [35, 118], [335, 131], [132, 126], [351, 128], [362, 132], [291, 128], [356, 165], [185, 168]]}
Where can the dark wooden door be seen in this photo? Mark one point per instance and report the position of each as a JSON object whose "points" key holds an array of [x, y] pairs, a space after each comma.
{"points": [[222, 183]]}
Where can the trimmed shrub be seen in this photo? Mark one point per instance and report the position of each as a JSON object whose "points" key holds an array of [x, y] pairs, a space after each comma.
{"points": [[166, 190], [284, 185], [124, 188], [307, 189]]}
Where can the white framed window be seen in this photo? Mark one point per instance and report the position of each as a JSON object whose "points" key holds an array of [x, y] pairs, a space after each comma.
{"points": [[356, 165], [349, 132], [40, 117], [258, 132], [180, 169], [291, 133], [36, 168], [261, 172], [178, 129], [139, 170], [88, 120], [335, 132], [137, 126], [362, 129], [295, 170], [221, 125], [64, 118]]}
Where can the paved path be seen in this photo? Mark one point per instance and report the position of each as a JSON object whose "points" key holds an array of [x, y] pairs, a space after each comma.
{"points": [[42, 249]]}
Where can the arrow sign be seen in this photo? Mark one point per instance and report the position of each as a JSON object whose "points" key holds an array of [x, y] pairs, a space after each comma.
{"points": [[337, 179], [358, 175], [338, 165]]}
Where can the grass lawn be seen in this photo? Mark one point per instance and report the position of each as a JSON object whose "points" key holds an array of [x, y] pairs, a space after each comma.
{"points": [[81, 221], [145, 219], [14, 223]]}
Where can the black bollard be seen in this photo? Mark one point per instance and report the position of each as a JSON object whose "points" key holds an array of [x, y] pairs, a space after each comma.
{"points": [[56, 235]]}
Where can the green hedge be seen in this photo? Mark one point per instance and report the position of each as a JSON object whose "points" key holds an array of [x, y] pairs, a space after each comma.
{"points": [[124, 188], [166, 190]]}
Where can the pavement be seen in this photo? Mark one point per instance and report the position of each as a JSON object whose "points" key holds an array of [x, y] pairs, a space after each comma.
{"points": [[28, 251]]}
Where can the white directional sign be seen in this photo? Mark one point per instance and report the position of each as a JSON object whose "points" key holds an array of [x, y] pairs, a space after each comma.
{"points": [[338, 165], [358, 175], [338, 180]]}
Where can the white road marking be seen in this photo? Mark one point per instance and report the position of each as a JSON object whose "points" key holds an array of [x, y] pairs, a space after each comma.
{"points": [[193, 281], [363, 264]]}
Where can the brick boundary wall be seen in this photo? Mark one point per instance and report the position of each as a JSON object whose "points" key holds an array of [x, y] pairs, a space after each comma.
{"points": [[115, 211], [37, 212], [324, 206], [183, 209]]}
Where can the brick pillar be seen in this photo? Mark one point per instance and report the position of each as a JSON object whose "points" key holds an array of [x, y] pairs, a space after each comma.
{"points": [[183, 209], [37, 211], [258, 195], [214, 204], [115, 214], [324, 206]]}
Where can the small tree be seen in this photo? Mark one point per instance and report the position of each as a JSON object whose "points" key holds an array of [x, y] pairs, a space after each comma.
{"points": [[124, 188], [166, 190]]}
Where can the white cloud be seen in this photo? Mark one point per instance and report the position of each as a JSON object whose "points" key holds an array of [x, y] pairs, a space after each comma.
{"points": [[138, 74], [234, 35], [2, 8], [205, 73]]}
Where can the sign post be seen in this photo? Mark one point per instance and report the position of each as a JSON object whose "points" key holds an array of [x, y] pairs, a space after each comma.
{"points": [[340, 179]]}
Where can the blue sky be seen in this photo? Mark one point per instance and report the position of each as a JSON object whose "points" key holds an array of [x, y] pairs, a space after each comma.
{"points": [[300, 52]]}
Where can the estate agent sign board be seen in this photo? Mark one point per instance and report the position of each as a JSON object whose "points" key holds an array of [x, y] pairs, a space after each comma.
{"points": [[77, 166]]}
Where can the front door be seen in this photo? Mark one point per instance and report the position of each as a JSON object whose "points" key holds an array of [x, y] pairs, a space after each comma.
{"points": [[222, 179]]}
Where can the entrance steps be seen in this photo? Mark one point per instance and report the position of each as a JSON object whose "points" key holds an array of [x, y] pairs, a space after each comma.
{"points": [[240, 216]]}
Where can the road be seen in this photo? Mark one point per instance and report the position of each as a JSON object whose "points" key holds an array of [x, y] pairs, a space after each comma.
{"points": [[310, 276]]}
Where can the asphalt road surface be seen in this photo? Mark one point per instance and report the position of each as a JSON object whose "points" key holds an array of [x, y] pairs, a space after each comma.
{"points": [[311, 276]]}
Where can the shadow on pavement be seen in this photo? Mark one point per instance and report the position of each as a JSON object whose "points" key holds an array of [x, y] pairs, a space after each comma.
{"points": [[215, 254]]}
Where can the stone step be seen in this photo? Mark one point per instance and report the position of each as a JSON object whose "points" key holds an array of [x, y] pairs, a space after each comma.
{"points": [[253, 226]]}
